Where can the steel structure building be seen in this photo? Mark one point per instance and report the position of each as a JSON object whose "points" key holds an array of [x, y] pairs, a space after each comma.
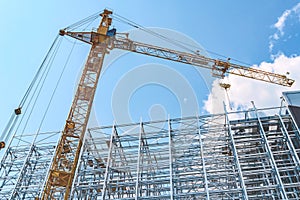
{"points": [[252, 154]]}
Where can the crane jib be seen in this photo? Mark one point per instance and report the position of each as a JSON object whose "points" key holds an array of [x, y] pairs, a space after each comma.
{"points": [[219, 68]]}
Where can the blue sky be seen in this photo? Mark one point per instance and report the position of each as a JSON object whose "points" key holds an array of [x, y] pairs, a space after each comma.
{"points": [[247, 31]]}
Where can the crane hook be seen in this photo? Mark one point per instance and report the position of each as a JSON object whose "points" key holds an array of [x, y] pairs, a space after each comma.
{"points": [[226, 86]]}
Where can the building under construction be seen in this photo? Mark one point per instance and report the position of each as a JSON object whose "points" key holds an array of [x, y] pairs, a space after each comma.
{"points": [[241, 155], [252, 154]]}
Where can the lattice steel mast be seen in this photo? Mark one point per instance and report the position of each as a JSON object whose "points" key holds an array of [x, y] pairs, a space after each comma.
{"points": [[64, 165], [61, 174]]}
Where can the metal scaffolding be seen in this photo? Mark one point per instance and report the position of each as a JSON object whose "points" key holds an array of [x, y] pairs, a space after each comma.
{"points": [[25, 164], [252, 154]]}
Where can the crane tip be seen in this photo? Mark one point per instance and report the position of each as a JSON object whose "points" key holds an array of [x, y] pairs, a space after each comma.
{"points": [[62, 32]]}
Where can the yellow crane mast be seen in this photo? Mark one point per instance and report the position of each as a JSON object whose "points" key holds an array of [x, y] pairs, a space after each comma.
{"points": [[64, 165]]}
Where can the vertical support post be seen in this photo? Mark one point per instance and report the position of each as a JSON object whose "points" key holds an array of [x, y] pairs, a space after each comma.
{"points": [[202, 158], [236, 159], [289, 143], [170, 159], [106, 176], [270, 154], [137, 190]]}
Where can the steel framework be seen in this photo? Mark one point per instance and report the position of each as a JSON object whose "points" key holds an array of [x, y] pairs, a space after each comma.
{"points": [[25, 164], [242, 155]]}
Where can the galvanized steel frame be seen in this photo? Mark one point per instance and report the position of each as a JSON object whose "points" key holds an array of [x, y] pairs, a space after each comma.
{"points": [[204, 157]]}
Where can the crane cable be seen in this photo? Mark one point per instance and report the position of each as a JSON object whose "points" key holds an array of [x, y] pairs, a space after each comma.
{"points": [[15, 115], [51, 53], [135, 25], [189, 47], [186, 46], [37, 73], [226, 87], [36, 94], [86, 20], [56, 86]]}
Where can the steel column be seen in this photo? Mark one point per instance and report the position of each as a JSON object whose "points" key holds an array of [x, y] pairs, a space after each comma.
{"points": [[138, 173], [290, 143], [108, 163], [202, 159], [270, 154], [236, 158], [170, 160]]}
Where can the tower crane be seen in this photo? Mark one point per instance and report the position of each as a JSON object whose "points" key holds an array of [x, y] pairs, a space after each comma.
{"points": [[64, 165]]}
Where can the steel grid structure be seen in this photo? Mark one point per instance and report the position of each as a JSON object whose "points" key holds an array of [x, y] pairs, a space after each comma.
{"points": [[25, 163], [245, 155], [209, 157]]}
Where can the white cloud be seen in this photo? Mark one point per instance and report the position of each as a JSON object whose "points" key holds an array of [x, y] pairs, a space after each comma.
{"points": [[296, 8], [275, 36], [244, 90], [281, 21], [280, 24], [271, 45], [214, 103]]}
